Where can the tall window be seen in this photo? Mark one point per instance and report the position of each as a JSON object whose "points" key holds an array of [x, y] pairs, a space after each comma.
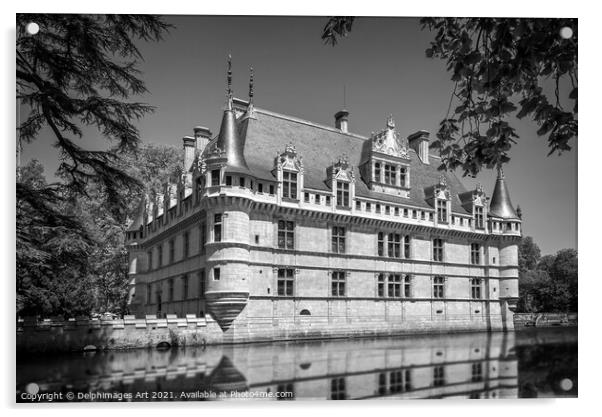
{"points": [[217, 228], [215, 177], [478, 216], [442, 211], [406, 247], [438, 376], [377, 172], [338, 283], [186, 244], [395, 238], [170, 286], [217, 274], [342, 194], [286, 234], [149, 255], [394, 286], [172, 251], [475, 288], [285, 282], [185, 287], [201, 277], [202, 237], [381, 285], [403, 175], [160, 256], [338, 239], [390, 177], [407, 286], [475, 254], [338, 389], [438, 250], [438, 287], [289, 185], [381, 244], [477, 372], [149, 292]]}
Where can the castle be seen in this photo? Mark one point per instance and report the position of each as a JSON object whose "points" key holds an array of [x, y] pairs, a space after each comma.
{"points": [[284, 228]]}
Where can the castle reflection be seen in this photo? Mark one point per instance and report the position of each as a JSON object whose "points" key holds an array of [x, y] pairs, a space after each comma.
{"points": [[477, 365]]}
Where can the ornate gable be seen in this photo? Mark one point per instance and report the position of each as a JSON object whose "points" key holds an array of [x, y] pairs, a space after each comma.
{"points": [[388, 142], [289, 160], [340, 170], [441, 190]]}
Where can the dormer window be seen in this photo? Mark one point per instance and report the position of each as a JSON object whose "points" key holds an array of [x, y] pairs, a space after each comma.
{"points": [[403, 175], [377, 171], [442, 211], [478, 215], [289, 185], [390, 177], [342, 194]]}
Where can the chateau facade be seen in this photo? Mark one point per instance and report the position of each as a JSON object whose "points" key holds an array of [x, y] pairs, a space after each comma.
{"points": [[284, 228]]}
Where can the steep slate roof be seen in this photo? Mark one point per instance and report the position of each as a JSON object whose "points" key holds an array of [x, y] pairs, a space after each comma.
{"points": [[267, 135], [500, 205]]}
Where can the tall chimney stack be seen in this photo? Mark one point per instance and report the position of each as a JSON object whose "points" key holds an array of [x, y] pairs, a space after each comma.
{"points": [[341, 120], [202, 136], [189, 146], [419, 141]]}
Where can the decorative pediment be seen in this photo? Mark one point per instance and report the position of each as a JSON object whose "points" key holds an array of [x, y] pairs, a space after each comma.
{"points": [[215, 152], [289, 160], [341, 170], [441, 190], [478, 196], [388, 142]]}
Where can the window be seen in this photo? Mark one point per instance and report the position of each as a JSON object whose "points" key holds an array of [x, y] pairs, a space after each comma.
{"points": [[442, 211], [342, 194], [407, 286], [149, 255], [477, 372], [170, 285], [215, 177], [377, 172], [286, 234], [368, 207], [475, 253], [186, 244], [478, 215], [381, 244], [260, 187], [185, 287], [394, 245], [285, 282], [216, 274], [201, 277], [475, 288], [381, 285], [377, 208], [438, 376], [306, 197], [438, 250], [387, 210], [438, 287], [405, 212], [338, 283], [172, 251], [338, 239], [394, 286], [337, 389], [406, 247], [160, 257], [217, 228], [241, 181], [289, 389], [397, 211], [228, 179], [289, 185], [403, 175], [327, 200], [202, 237], [414, 214], [358, 205], [149, 292], [390, 177], [271, 189]]}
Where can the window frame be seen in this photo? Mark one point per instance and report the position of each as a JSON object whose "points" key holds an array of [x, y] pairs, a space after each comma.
{"points": [[338, 239], [290, 181], [285, 282], [338, 280], [287, 233], [438, 287]]}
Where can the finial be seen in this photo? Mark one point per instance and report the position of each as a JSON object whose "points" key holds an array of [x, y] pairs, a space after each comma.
{"points": [[390, 122], [519, 212], [500, 172], [251, 86], [229, 91]]}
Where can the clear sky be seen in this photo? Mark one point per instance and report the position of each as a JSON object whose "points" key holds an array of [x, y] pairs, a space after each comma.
{"points": [[384, 70]]}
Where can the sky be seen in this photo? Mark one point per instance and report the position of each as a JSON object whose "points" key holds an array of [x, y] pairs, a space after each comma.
{"points": [[383, 70]]}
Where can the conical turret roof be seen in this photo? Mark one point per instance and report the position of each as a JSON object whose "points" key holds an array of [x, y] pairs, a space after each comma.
{"points": [[230, 142], [500, 205]]}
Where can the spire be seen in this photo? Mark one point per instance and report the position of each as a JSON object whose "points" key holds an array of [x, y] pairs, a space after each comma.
{"points": [[500, 205], [228, 139]]}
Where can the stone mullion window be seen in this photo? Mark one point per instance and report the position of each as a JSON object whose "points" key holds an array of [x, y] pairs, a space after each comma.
{"points": [[381, 244], [479, 218], [438, 287], [407, 247], [380, 285], [476, 288], [394, 286], [475, 254], [442, 211], [438, 250], [286, 234], [289, 185], [407, 286], [286, 281], [338, 283], [338, 239], [342, 194], [217, 227]]}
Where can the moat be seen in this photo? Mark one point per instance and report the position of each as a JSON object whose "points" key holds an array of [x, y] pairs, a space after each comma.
{"points": [[524, 364]]}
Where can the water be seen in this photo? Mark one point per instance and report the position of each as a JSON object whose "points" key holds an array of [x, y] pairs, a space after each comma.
{"points": [[524, 364]]}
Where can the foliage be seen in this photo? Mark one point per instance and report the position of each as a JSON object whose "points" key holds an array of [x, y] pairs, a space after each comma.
{"points": [[500, 67], [549, 283]]}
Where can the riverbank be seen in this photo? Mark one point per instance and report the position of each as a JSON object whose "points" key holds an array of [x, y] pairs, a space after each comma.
{"points": [[522, 320]]}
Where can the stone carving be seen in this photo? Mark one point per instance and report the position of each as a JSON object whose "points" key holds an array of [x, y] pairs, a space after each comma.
{"points": [[341, 170], [387, 141], [289, 159]]}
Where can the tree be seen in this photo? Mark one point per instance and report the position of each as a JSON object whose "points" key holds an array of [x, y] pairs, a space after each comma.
{"points": [[500, 67], [528, 254]]}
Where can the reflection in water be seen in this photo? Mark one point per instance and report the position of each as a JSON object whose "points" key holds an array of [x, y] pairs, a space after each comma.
{"points": [[478, 365]]}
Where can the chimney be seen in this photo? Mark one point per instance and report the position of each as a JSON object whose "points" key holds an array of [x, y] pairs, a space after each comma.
{"points": [[202, 136], [340, 120], [189, 145], [419, 141]]}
